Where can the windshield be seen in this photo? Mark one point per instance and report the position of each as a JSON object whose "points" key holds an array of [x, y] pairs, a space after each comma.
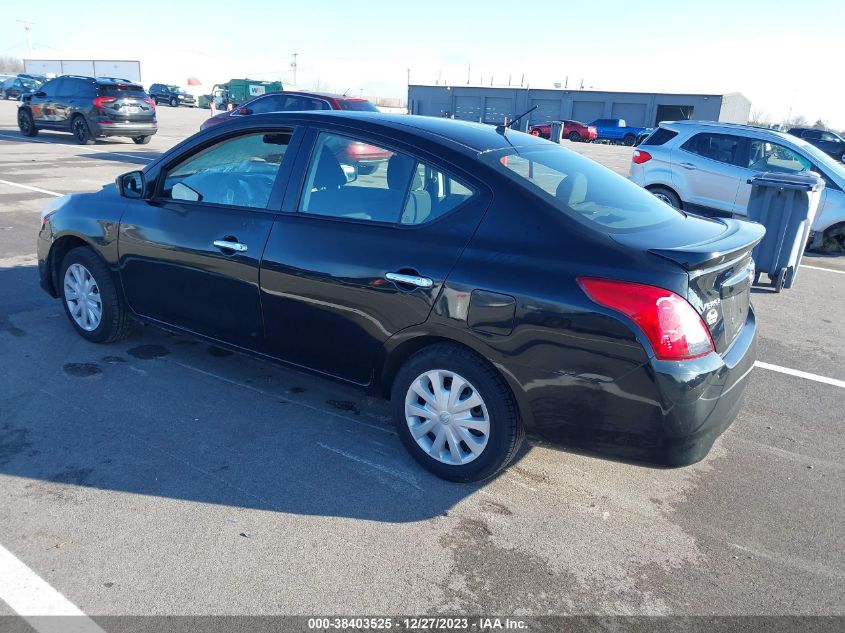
{"points": [[582, 188], [30, 84], [359, 105], [834, 169]]}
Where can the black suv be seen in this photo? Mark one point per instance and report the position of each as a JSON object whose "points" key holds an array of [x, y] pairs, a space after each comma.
{"points": [[173, 95], [14, 87], [89, 108], [828, 142]]}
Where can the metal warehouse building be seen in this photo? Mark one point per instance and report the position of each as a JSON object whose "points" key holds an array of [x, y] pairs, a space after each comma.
{"points": [[644, 109]]}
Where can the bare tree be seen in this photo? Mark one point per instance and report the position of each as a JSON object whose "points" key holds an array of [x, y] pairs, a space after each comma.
{"points": [[760, 118], [820, 124], [10, 64]]}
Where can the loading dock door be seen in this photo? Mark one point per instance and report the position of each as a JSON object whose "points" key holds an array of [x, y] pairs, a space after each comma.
{"points": [[633, 113], [496, 109], [468, 108], [547, 110], [673, 113], [587, 111]]}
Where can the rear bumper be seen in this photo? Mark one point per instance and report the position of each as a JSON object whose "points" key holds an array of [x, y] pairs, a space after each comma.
{"points": [[663, 413], [101, 128]]}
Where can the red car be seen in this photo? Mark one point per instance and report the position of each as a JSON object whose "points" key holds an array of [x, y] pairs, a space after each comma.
{"points": [[573, 130], [364, 158]]}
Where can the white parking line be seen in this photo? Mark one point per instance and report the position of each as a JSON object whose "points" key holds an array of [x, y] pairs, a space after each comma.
{"points": [[800, 374], [829, 270], [74, 147], [30, 187], [32, 597]]}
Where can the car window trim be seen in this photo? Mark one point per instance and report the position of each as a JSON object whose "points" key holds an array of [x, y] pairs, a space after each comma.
{"points": [[297, 182], [280, 184]]}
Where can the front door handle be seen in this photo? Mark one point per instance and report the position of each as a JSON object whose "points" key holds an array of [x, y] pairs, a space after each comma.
{"points": [[230, 246], [412, 280], [689, 166]]}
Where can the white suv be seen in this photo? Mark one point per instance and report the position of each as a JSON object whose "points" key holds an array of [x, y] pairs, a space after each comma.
{"points": [[704, 166]]}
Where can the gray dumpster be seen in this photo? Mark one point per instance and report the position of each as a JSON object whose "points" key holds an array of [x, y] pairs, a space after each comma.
{"points": [[556, 131], [786, 205]]}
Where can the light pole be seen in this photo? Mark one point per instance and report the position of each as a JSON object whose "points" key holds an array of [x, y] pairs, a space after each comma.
{"points": [[293, 65], [28, 28]]}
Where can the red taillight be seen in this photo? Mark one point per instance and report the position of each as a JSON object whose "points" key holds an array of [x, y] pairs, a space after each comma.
{"points": [[640, 156], [672, 326], [151, 102], [535, 132], [100, 102]]}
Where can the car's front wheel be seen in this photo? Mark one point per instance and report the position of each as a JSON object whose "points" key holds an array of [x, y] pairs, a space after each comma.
{"points": [[173, 102], [26, 124], [455, 414], [90, 298]]}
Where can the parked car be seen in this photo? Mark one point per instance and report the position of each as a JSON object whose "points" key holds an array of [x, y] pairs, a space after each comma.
{"points": [[361, 158], [173, 96], [829, 142], [89, 108], [706, 166], [617, 130], [291, 101], [14, 87], [426, 284], [575, 131]]}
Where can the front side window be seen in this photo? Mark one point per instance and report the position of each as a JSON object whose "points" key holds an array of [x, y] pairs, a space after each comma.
{"points": [[584, 189], [771, 157], [827, 136], [237, 172], [358, 105], [351, 179], [719, 147]]}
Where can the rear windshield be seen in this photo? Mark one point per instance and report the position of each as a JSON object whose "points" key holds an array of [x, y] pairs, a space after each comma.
{"points": [[359, 105], [121, 90], [583, 189]]}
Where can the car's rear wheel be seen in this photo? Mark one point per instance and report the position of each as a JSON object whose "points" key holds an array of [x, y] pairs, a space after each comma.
{"points": [[668, 196], [26, 123], [141, 140], [174, 102], [455, 414], [90, 298], [81, 130], [574, 137], [629, 140]]}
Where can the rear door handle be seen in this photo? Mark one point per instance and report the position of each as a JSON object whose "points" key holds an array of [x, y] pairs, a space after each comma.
{"points": [[230, 246], [412, 280], [689, 166]]}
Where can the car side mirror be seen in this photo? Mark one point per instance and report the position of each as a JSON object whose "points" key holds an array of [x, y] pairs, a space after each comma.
{"points": [[131, 185], [244, 111]]}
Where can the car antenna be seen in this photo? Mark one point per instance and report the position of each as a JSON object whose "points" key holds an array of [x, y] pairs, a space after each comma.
{"points": [[346, 92], [502, 129]]}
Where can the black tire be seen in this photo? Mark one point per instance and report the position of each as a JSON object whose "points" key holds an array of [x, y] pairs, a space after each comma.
{"points": [[629, 140], [668, 196], [574, 137], [506, 431], [26, 124], [115, 323], [174, 102], [141, 140], [366, 170], [81, 131]]}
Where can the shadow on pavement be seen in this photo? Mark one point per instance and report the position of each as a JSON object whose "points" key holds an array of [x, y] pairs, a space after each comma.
{"points": [[164, 415]]}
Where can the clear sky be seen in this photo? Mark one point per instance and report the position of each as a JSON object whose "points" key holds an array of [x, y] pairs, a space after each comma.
{"points": [[779, 54]]}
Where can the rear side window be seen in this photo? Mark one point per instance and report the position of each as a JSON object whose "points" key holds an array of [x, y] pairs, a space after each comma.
{"points": [[584, 189], [237, 172], [271, 103], [724, 148], [351, 179], [121, 90], [358, 105], [660, 136]]}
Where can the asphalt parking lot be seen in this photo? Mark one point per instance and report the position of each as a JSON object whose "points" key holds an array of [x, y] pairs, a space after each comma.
{"points": [[162, 476]]}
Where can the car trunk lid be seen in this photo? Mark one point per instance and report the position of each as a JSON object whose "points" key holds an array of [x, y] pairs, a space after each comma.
{"points": [[716, 253]]}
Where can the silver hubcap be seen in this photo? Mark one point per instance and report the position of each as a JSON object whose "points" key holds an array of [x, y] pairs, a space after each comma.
{"points": [[447, 417], [83, 297]]}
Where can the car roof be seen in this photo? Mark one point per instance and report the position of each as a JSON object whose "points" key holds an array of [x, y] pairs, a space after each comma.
{"points": [[473, 137], [308, 93], [725, 127]]}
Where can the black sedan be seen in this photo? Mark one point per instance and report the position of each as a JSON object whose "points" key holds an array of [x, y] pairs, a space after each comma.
{"points": [[490, 283]]}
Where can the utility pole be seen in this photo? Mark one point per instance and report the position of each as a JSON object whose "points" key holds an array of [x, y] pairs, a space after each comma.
{"points": [[469, 69], [28, 28], [293, 65]]}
